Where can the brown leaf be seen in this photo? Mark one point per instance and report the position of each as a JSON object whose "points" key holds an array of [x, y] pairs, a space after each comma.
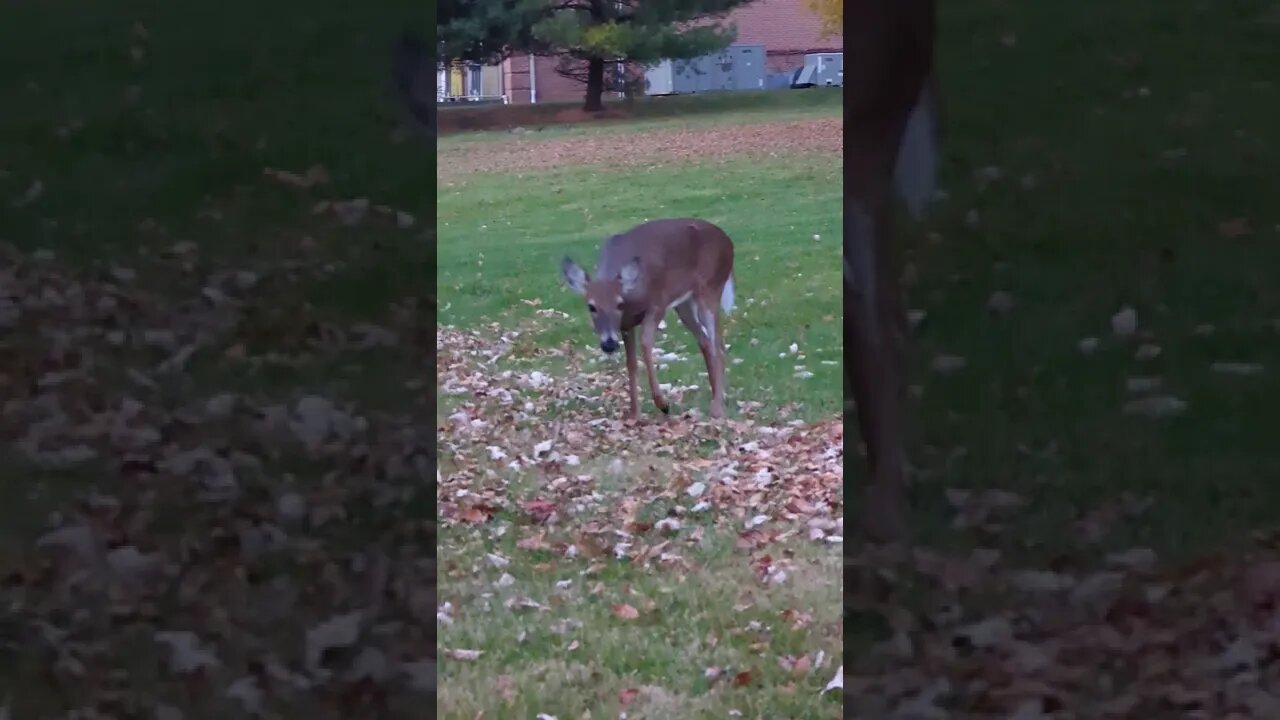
{"points": [[541, 510], [473, 515], [625, 611], [802, 665], [533, 542]]}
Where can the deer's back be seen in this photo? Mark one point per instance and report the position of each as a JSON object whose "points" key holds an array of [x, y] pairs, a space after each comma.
{"points": [[675, 255], [667, 245]]}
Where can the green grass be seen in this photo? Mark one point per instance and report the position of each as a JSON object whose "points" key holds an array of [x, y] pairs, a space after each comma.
{"points": [[574, 655], [219, 98], [502, 238], [673, 112], [1114, 218]]}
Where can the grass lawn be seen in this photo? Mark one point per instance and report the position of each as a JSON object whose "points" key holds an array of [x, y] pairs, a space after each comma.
{"points": [[215, 447], [1136, 173], [666, 112], [591, 565], [502, 239]]}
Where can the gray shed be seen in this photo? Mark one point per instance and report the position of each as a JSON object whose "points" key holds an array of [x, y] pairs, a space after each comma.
{"points": [[824, 69]]}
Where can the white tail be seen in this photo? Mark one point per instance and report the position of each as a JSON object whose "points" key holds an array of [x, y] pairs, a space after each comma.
{"points": [[916, 172], [726, 296], [684, 265]]}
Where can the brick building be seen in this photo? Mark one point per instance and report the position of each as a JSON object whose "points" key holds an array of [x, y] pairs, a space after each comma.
{"points": [[787, 29]]}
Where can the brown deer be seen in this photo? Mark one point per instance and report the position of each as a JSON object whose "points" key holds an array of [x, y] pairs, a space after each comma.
{"points": [[891, 137], [684, 264]]}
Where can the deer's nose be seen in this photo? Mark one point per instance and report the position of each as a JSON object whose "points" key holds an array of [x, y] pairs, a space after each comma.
{"points": [[609, 345]]}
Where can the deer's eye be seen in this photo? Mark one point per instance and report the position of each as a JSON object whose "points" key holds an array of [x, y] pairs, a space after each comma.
{"points": [[591, 307]]}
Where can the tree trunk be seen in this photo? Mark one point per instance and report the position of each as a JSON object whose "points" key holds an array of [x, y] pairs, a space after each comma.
{"points": [[595, 85]]}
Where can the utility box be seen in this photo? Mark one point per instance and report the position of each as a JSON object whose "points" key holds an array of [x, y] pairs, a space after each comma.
{"points": [[738, 67], [747, 67], [827, 69], [678, 77]]}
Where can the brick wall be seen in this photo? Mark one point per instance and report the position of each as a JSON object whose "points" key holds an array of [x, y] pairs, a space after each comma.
{"points": [[783, 26], [515, 78]]}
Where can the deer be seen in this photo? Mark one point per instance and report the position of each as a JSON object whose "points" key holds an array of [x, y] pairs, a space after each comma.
{"points": [[891, 121], [684, 265]]}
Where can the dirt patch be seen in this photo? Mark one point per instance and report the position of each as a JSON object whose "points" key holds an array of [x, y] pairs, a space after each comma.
{"points": [[509, 117], [656, 147]]}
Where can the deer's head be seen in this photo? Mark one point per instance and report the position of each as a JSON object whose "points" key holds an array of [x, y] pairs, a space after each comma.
{"points": [[604, 296]]}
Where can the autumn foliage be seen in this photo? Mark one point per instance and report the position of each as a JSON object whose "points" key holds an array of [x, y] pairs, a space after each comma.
{"points": [[831, 12]]}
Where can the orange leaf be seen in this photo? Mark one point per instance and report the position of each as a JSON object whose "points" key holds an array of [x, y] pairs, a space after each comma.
{"points": [[626, 612], [802, 666], [540, 509], [742, 679], [627, 695], [474, 515], [533, 542]]}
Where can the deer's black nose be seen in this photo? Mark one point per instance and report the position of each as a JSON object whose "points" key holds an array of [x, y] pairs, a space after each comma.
{"points": [[609, 345]]}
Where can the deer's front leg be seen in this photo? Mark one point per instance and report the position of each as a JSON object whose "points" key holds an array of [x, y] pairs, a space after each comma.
{"points": [[874, 370], [647, 331], [629, 348]]}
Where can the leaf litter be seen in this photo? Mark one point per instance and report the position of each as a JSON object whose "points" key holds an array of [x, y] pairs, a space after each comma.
{"points": [[768, 479], [545, 459], [266, 548], [973, 634], [644, 148]]}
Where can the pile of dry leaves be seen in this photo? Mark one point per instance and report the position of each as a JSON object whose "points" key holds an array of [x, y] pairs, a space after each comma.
{"points": [[974, 635], [767, 480], [213, 539], [653, 147]]}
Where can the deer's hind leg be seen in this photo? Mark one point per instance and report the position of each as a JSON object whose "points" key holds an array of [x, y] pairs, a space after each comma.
{"points": [[702, 323], [629, 347]]}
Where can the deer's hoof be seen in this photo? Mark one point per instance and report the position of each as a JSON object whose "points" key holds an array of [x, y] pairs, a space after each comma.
{"points": [[883, 516]]}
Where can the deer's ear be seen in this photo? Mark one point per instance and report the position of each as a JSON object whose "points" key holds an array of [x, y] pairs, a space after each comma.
{"points": [[630, 275], [574, 276]]}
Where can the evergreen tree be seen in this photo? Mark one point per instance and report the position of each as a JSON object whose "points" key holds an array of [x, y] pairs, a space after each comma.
{"points": [[487, 31]]}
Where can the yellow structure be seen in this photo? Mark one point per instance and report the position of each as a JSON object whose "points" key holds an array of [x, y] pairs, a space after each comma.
{"points": [[455, 80], [462, 81]]}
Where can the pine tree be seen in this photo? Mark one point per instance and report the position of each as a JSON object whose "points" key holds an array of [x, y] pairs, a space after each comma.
{"points": [[487, 31], [586, 34]]}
